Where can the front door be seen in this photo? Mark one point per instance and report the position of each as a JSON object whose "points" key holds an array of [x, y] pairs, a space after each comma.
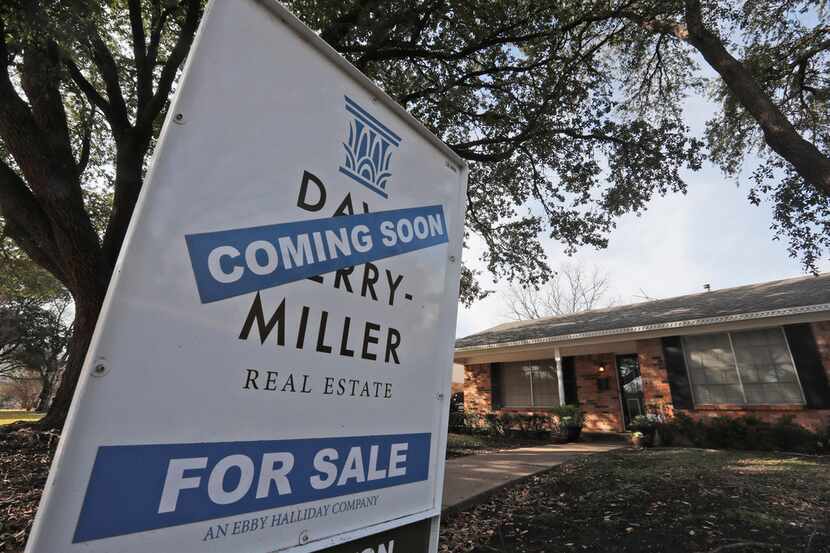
{"points": [[631, 387]]}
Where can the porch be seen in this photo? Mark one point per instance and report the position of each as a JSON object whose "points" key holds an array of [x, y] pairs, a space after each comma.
{"points": [[612, 382]]}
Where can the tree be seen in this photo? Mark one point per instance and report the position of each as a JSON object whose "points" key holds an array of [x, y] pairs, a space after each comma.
{"points": [[24, 393], [572, 289], [772, 58], [34, 333], [512, 87], [33, 343], [75, 75]]}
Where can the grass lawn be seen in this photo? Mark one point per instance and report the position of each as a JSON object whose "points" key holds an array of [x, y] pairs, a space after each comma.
{"points": [[8, 416], [459, 445], [678, 500]]}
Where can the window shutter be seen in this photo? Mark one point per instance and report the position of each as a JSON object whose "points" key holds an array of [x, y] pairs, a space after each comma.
{"points": [[569, 380], [809, 365], [495, 385], [681, 392]]}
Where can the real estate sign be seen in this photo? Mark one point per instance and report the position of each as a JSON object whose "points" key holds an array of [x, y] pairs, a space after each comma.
{"points": [[272, 362]]}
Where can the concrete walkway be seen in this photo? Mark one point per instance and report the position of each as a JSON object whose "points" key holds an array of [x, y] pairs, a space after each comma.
{"points": [[470, 479]]}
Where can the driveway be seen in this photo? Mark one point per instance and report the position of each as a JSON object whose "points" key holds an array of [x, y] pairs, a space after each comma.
{"points": [[469, 479]]}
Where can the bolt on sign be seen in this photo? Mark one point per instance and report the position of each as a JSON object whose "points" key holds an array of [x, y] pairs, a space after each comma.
{"points": [[271, 366]]}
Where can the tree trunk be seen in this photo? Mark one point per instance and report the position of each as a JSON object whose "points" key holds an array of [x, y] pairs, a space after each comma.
{"points": [[779, 134], [93, 285], [45, 392], [87, 308]]}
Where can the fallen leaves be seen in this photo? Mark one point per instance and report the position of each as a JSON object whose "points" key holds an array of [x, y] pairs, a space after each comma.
{"points": [[25, 457], [655, 500]]}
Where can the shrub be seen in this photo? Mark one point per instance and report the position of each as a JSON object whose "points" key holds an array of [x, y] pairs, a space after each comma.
{"points": [[520, 422], [529, 424], [748, 433], [457, 402], [568, 416], [457, 422], [494, 423], [646, 424], [537, 424], [464, 422], [789, 436]]}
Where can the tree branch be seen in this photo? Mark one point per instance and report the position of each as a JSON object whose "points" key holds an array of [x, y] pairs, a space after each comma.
{"points": [[91, 93], [83, 158], [337, 31], [144, 74], [27, 223], [40, 78], [103, 59], [157, 22], [144, 121], [779, 133]]}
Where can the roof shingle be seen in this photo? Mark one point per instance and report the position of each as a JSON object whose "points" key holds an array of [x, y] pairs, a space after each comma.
{"points": [[753, 298]]}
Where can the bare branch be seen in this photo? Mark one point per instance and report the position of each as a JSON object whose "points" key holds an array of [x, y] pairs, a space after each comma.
{"points": [[573, 289]]}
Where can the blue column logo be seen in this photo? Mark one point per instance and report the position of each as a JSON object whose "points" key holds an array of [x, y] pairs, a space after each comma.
{"points": [[369, 149]]}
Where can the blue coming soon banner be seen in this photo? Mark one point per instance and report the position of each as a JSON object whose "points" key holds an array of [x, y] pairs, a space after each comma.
{"points": [[135, 488], [234, 262]]}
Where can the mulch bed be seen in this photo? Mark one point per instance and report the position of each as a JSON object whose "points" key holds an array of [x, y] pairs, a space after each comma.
{"points": [[25, 456], [678, 500]]}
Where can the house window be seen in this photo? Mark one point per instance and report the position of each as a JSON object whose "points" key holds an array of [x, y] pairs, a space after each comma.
{"points": [[529, 384], [752, 367]]}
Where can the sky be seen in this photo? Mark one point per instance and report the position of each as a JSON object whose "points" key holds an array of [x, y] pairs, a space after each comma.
{"points": [[711, 235]]}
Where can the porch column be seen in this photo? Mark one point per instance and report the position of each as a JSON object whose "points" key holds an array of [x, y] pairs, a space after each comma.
{"points": [[559, 378]]}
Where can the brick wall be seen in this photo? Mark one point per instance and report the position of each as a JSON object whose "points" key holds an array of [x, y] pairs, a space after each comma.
{"points": [[478, 388], [656, 390], [602, 409]]}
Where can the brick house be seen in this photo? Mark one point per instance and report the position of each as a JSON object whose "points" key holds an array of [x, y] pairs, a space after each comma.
{"points": [[762, 349]]}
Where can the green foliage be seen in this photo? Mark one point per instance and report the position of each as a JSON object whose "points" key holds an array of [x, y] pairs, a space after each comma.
{"points": [[465, 422], [568, 416], [34, 332], [646, 424], [521, 90], [526, 424], [785, 47], [746, 433], [495, 424], [21, 279]]}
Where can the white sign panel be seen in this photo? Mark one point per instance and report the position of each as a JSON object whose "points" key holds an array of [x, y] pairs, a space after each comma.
{"points": [[272, 363]]}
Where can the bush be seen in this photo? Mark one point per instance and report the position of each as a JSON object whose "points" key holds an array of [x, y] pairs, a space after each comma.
{"points": [[457, 422], [495, 424], [789, 436], [457, 402], [568, 416], [749, 433], [538, 424], [500, 424], [464, 422], [645, 424]]}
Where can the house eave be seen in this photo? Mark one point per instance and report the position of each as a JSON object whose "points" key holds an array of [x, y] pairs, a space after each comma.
{"points": [[657, 327]]}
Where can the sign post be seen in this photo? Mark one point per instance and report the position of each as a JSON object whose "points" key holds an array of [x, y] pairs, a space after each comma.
{"points": [[271, 368]]}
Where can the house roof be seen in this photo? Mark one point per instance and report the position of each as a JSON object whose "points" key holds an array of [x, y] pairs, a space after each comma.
{"points": [[766, 299]]}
